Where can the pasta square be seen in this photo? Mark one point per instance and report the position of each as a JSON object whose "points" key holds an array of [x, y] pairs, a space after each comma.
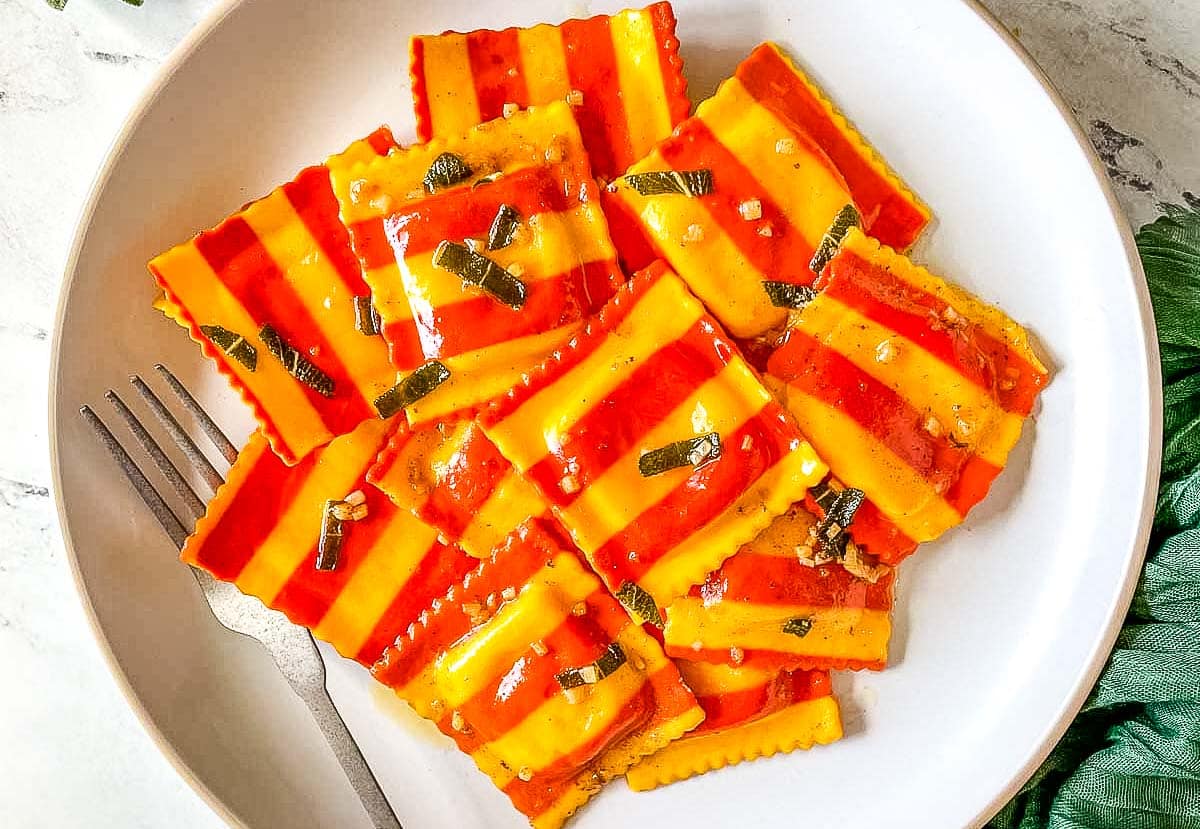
{"points": [[270, 296], [372, 189], [913, 390], [497, 276], [450, 475], [653, 440], [748, 713], [540, 675], [264, 531], [778, 604], [890, 211], [736, 197], [622, 74]]}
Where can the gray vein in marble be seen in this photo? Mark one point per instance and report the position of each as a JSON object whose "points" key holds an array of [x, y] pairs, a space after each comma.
{"points": [[13, 492], [1111, 145]]}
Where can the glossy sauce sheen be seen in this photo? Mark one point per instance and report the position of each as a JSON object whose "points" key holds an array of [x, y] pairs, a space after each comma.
{"points": [[369, 192], [561, 254]]}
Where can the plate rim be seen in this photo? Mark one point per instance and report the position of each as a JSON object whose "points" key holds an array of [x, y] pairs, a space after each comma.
{"points": [[1087, 677]]}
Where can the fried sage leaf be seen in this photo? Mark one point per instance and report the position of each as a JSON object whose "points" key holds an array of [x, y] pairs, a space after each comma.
{"points": [[476, 269], [295, 362], [366, 318], [799, 626], [608, 663], [690, 183], [694, 452], [504, 228], [329, 547], [639, 603], [412, 388], [840, 508], [845, 219], [788, 294], [446, 170], [232, 344]]}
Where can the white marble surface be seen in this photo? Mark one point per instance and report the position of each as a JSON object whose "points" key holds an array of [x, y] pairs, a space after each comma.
{"points": [[71, 753]]}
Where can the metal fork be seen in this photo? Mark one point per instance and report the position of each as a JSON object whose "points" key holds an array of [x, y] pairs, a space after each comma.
{"points": [[291, 646]]}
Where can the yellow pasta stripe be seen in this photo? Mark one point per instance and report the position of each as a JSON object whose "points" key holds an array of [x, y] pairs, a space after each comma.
{"points": [[451, 91], [903, 495], [647, 111], [842, 633], [799, 726], [291, 539]]}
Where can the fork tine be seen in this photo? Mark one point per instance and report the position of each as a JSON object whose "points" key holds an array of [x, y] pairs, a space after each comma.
{"points": [[224, 445], [164, 464], [145, 490], [182, 439]]}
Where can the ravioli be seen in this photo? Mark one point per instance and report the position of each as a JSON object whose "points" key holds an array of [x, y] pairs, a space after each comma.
{"points": [[622, 74], [911, 389], [534, 670], [263, 529], [270, 294], [496, 276], [610, 431]]}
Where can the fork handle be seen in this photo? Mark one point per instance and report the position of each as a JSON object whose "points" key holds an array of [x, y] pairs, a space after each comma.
{"points": [[317, 698]]}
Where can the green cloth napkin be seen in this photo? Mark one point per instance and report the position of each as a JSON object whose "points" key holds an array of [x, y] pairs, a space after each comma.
{"points": [[1131, 759]]}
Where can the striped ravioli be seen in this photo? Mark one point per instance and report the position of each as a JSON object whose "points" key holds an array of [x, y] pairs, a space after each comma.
{"points": [[738, 615], [560, 254], [749, 713], [774, 195], [261, 533], [284, 261], [622, 73], [651, 370], [370, 191], [913, 390], [449, 474], [483, 666], [890, 211]]}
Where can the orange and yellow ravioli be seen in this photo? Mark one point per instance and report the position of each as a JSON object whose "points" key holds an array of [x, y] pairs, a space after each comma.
{"points": [[540, 675], [496, 276], [264, 532], [270, 295], [913, 390], [621, 73], [738, 196], [371, 190], [653, 440], [449, 474], [777, 603], [748, 713], [890, 211]]}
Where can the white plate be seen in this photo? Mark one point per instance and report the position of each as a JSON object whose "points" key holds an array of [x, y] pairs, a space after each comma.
{"points": [[1001, 626]]}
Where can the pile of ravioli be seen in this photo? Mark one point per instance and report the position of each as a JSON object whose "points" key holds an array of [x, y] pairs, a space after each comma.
{"points": [[596, 426]]}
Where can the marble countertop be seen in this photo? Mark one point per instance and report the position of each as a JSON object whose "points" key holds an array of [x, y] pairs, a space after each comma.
{"points": [[71, 753]]}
